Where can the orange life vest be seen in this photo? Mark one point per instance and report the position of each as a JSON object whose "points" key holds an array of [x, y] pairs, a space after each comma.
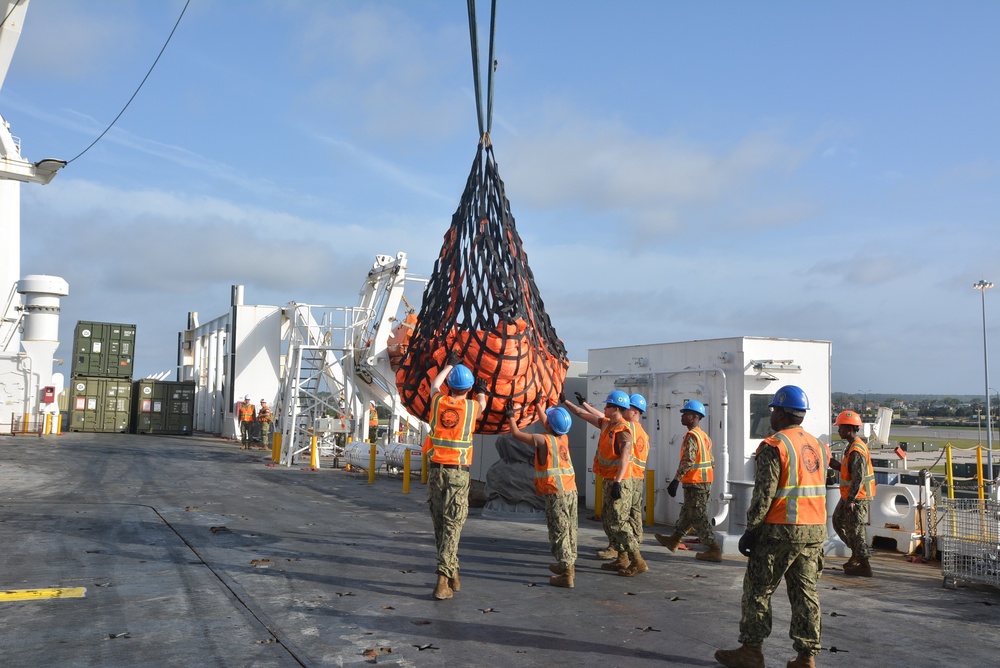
{"points": [[452, 422], [801, 494], [556, 473], [867, 489], [702, 469], [372, 417], [640, 452], [246, 412], [606, 460]]}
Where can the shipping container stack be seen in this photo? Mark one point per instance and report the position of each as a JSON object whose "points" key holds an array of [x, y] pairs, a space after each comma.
{"points": [[100, 391], [163, 407]]}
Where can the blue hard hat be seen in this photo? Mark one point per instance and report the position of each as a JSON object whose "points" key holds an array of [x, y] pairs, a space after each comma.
{"points": [[460, 378], [559, 420], [694, 406], [618, 398], [790, 396], [638, 401]]}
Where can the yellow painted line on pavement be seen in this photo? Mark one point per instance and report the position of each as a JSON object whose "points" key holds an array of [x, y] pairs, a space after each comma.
{"points": [[33, 594]]}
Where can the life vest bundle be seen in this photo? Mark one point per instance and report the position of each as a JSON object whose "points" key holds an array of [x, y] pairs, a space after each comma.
{"points": [[482, 302], [399, 340]]}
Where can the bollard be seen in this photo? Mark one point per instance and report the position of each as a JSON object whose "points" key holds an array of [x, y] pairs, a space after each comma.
{"points": [[406, 471], [598, 494], [423, 468], [58, 423], [949, 475], [371, 465], [27, 422], [48, 424], [650, 495], [313, 454], [979, 471], [276, 447]]}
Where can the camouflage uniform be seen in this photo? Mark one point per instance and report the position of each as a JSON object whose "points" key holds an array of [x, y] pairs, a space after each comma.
{"points": [[616, 518], [851, 526], [561, 518], [694, 512], [792, 551], [634, 487], [448, 497]]}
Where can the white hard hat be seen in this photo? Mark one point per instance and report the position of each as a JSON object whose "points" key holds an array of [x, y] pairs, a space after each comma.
{"points": [[246, 398]]}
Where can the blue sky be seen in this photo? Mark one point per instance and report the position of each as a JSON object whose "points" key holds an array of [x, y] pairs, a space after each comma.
{"points": [[677, 170]]}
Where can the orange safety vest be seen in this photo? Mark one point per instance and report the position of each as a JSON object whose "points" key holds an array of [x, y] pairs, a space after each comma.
{"points": [[703, 469], [452, 422], [264, 415], [801, 494], [556, 473], [640, 452], [246, 412], [867, 489], [372, 417], [606, 460]]}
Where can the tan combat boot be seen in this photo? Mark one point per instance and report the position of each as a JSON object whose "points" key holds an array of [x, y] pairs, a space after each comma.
{"points": [[455, 583], [607, 553], [621, 562], [636, 565], [564, 580], [557, 568], [802, 661], [442, 591], [713, 553], [670, 542], [862, 568], [744, 657]]}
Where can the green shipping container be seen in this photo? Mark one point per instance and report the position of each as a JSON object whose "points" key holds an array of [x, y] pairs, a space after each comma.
{"points": [[163, 407], [99, 404], [103, 349]]}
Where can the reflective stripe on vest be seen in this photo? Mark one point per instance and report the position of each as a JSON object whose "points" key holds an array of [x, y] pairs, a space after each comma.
{"points": [[801, 494], [702, 469], [246, 413], [867, 489], [452, 421], [606, 461], [557, 474], [640, 451]]}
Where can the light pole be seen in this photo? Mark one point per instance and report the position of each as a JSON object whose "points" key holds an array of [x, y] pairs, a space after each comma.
{"points": [[864, 403], [983, 286]]}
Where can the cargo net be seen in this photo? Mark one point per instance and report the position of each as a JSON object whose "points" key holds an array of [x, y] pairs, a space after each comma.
{"points": [[482, 302]]}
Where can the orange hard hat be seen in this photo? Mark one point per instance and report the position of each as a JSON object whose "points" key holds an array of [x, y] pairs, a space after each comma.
{"points": [[848, 417]]}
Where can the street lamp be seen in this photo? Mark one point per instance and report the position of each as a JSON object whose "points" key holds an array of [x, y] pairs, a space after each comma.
{"points": [[983, 286], [864, 403]]}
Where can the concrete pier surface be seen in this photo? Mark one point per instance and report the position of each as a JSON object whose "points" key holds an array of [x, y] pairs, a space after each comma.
{"points": [[125, 550]]}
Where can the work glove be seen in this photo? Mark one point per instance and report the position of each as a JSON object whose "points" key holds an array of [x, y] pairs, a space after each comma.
{"points": [[747, 542], [579, 398], [454, 357], [479, 386], [672, 487], [616, 491], [508, 411]]}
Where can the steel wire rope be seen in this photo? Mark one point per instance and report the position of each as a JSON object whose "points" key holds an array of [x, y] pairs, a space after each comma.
{"points": [[141, 83]]}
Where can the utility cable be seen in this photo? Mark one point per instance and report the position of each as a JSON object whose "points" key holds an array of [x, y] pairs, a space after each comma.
{"points": [[169, 37]]}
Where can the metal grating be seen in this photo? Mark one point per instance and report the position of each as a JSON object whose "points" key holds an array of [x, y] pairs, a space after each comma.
{"points": [[970, 541]]}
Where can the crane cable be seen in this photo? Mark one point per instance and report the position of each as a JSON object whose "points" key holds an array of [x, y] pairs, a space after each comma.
{"points": [[484, 131], [101, 136]]}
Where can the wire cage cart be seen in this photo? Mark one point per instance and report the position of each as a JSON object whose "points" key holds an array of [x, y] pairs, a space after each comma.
{"points": [[970, 544]]}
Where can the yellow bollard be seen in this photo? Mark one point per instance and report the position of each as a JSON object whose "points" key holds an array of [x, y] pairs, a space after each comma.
{"points": [[58, 423], [27, 422], [371, 465], [979, 471], [276, 447], [423, 467], [949, 475], [598, 494], [650, 496], [48, 423], [406, 471], [313, 454]]}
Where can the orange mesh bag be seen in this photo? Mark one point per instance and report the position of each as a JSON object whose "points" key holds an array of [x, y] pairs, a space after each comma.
{"points": [[482, 302]]}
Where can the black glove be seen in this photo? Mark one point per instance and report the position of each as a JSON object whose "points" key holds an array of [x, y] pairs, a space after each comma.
{"points": [[579, 398], [672, 487], [747, 541], [508, 411], [479, 386], [616, 491], [454, 357]]}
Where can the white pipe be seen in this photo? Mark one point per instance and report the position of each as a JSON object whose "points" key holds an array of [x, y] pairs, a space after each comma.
{"points": [[726, 495]]}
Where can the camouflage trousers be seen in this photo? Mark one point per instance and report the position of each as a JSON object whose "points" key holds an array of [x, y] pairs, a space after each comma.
{"points": [[561, 518], [616, 518], [448, 498], [801, 565], [851, 526], [265, 434], [635, 487], [694, 512], [246, 433]]}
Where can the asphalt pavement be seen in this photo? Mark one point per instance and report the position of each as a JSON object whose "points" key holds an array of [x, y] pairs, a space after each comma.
{"points": [[125, 550]]}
